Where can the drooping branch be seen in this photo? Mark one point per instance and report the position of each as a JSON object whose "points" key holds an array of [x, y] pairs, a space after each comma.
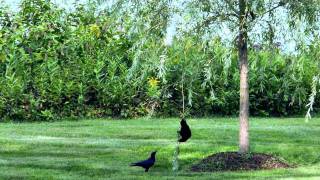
{"points": [[214, 18], [280, 4]]}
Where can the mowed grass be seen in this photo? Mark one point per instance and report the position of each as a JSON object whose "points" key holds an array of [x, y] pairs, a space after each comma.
{"points": [[104, 148]]}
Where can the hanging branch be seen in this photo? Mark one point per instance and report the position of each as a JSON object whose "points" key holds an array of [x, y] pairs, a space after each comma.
{"points": [[175, 161], [313, 94], [182, 92]]}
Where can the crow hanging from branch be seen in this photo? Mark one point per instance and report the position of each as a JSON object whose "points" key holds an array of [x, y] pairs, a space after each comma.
{"points": [[185, 131]]}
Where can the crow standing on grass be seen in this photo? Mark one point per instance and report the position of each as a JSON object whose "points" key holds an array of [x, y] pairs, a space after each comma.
{"points": [[146, 164], [185, 131]]}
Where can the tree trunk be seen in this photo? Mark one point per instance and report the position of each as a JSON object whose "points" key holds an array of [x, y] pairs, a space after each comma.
{"points": [[244, 87]]}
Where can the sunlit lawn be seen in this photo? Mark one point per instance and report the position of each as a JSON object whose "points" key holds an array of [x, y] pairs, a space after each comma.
{"points": [[103, 149]]}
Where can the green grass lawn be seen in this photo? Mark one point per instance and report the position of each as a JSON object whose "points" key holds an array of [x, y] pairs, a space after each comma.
{"points": [[103, 149]]}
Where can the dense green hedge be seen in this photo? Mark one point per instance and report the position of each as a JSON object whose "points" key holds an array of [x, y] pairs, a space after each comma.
{"points": [[57, 64]]}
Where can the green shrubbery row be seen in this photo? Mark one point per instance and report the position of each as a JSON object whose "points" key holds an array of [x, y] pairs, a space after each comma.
{"points": [[55, 63]]}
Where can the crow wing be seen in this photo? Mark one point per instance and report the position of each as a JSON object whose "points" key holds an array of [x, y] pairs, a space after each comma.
{"points": [[146, 163]]}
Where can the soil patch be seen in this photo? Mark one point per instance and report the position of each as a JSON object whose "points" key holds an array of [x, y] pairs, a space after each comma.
{"points": [[234, 161]]}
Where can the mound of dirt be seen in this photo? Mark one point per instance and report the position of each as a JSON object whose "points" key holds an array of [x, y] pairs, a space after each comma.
{"points": [[233, 161]]}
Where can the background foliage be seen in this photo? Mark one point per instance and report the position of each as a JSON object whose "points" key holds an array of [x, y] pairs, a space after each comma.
{"points": [[55, 63]]}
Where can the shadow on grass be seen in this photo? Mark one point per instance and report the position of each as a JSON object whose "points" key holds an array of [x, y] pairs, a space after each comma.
{"points": [[80, 169], [20, 177], [316, 161], [51, 154]]}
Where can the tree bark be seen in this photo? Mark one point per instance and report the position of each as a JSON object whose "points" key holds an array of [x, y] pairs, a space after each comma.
{"points": [[244, 86]]}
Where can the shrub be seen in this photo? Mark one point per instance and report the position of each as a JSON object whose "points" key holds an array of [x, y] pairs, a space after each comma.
{"points": [[55, 63]]}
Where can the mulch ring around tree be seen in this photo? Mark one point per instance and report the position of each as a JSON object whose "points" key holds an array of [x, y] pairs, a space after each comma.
{"points": [[234, 161]]}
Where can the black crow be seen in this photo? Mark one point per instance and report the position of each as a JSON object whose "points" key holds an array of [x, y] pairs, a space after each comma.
{"points": [[185, 131], [146, 164]]}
